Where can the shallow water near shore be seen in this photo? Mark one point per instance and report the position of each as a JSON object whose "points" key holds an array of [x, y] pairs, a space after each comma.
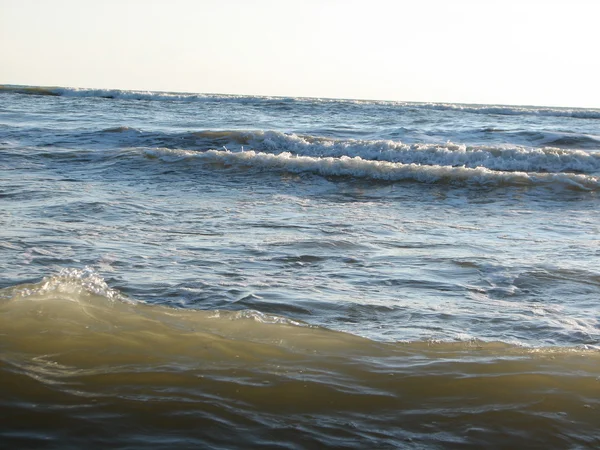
{"points": [[244, 272], [155, 375]]}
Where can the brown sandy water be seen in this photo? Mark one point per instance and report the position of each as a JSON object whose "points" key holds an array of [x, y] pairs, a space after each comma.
{"points": [[88, 369]]}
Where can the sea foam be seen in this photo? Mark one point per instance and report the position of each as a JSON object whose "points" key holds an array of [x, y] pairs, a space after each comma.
{"points": [[381, 170], [506, 157]]}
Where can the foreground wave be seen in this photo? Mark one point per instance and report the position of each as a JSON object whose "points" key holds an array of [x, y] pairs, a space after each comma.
{"points": [[82, 364]]}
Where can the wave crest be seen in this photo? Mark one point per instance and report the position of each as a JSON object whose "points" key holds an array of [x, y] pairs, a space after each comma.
{"points": [[508, 158], [71, 283], [380, 170]]}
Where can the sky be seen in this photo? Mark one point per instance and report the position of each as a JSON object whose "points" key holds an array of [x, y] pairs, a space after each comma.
{"points": [[523, 52]]}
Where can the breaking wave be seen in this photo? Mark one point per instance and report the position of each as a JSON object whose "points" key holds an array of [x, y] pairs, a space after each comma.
{"points": [[506, 158], [347, 166]]}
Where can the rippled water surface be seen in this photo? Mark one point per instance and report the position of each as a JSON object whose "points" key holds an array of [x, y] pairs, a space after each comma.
{"points": [[236, 272]]}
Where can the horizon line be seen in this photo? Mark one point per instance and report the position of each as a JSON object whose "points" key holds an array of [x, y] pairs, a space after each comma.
{"points": [[4, 86]]}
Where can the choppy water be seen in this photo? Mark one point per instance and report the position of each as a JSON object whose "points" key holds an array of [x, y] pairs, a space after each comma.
{"points": [[244, 272]]}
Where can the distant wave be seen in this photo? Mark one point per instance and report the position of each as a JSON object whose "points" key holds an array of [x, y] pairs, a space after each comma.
{"points": [[31, 90], [127, 94], [546, 138], [380, 170], [581, 113]]}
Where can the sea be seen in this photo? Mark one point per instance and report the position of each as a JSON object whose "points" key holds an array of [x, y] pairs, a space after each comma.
{"points": [[185, 270]]}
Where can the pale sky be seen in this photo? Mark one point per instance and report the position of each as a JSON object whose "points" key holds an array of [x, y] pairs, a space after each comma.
{"points": [[479, 51]]}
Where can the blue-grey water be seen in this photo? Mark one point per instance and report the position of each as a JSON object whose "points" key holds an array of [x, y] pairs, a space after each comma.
{"points": [[241, 272]]}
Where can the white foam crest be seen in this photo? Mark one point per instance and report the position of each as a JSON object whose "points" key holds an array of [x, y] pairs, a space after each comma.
{"points": [[155, 95], [495, 158], [257, 316], [580, 113], [74, 283], [126, 95], [382, 170]]}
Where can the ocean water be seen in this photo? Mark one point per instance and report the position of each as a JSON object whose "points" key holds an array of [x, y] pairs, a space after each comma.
{"points": [[214, 271]]}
